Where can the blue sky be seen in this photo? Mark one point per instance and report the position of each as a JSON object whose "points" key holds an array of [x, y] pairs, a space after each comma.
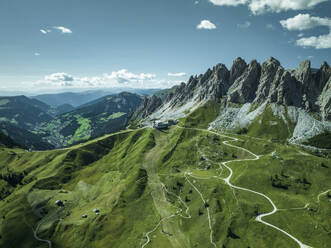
{"points": [[65, 44]]}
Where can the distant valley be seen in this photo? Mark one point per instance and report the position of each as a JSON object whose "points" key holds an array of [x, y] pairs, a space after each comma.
{"points": [[38, 125]]}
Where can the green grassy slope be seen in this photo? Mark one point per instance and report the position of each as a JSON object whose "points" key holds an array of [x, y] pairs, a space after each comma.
{"points": [[123, 174], [23, 111], [271, 127], [164, 189], [24, 137], [105, 115], [202, 116], [322, 141], [100, 174]]}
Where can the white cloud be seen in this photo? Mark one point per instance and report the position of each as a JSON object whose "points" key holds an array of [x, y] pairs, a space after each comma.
{"points": [[64, 30], [205, 24], [115, 79], [318, 42], [178, 74], [304, 22], [228, 2], [196, 2], [36, 54], [123, 76], [45, 31], [246, 24], [59, 77], [301, 35], [262, 6], [270, 26]]}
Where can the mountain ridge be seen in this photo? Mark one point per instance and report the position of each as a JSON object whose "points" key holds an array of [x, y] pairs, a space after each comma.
{"points": [[295, 95]]}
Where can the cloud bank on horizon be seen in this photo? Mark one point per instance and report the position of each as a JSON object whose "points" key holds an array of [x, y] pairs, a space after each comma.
{"points": [[116, 79]]}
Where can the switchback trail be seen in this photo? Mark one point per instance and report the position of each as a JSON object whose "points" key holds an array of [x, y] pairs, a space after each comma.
{"points": [[260, 217]]}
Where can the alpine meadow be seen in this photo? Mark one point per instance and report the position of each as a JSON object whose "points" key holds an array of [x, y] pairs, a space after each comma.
{"points": [[217, 135]]}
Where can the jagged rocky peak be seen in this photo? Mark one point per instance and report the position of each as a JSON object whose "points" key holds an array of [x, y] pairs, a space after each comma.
{"points": [[270, 64], [271, 73], [221, 73], [244, 88], [325, 66], [303, 73], [214, 83], [303, 87], [147, 107], [238, 67], [217, 73], [325, 100], [323, 74]]}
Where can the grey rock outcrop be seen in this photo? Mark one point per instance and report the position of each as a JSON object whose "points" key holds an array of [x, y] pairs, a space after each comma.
{"points": [[211, 85], [243, 89], [325, 101], [305, 88], [215, 84], [238, 67], [147, 107], [270, 74]]}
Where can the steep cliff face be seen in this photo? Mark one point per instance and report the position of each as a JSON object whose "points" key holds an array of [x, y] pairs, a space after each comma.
{"points": [[147, 107], [325, 101], [295, 95], [244, 87]]}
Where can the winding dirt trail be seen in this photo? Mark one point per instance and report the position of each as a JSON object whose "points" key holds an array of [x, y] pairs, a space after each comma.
{"points": [[323, 193], [35, 234], [260, 217]]}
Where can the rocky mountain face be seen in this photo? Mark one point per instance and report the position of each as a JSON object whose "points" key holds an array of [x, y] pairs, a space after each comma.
{"points": [[303, 87], [325, 101], [148, 106], [295, 94]]}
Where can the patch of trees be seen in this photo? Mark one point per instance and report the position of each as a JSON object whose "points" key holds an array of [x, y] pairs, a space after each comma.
{"points": [[12, 178]]}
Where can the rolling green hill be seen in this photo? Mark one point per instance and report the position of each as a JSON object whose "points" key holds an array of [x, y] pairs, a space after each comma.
{"points": [[165, 189], [105, 115], [37, 125], [235, 172], [6, 141], [24, 137], [23, 111]]}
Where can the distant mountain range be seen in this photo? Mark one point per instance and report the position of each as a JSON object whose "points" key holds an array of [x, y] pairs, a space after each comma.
{"points": [[76, 99], [264, 100], [35, 124], [105, 115]]}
